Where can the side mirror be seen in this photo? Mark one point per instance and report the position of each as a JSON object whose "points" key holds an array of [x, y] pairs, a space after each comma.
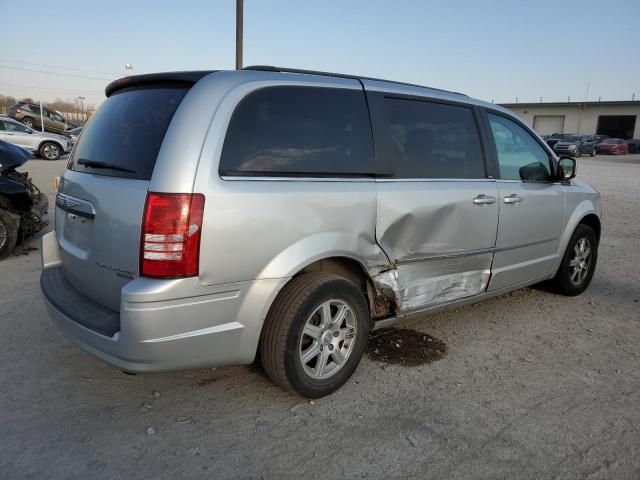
{"points": [[567, 168], [27, 130]]}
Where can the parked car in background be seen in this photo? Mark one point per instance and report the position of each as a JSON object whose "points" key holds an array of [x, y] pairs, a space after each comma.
{"points": [[49, 146], [613, 146], [634, 145], [29, 115], [555, 138], [73, 135], [576, 145], [259, 213]]}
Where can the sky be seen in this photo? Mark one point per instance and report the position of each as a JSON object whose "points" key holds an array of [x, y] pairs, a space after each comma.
{"points": [[495, 50]]}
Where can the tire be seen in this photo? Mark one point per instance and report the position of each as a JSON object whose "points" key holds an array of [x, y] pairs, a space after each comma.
{"points": [[593, 152], [27, 122], [566, 281], [8, 234], [294, 326], [50, 151]]}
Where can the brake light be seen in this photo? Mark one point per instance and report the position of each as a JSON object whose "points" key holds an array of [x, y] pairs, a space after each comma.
{"points": [[18, 110], [170, 243]]}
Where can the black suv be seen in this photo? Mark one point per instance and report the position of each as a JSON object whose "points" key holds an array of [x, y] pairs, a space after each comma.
{"points": [[576, 145]]}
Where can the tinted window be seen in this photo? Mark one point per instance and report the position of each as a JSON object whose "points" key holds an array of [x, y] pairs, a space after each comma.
{"points": [[519, 155], [127, 131], [13, 127], [432, 140], [299, 130]]}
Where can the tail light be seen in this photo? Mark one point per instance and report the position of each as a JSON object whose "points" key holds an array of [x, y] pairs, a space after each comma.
{"points": [[170, 243], [18, 110]]}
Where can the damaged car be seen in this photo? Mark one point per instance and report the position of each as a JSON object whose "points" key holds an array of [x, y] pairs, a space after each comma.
{"points": [[22, 206], [284, 214]]}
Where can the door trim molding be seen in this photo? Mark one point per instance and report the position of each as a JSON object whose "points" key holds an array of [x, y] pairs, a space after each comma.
{"points": [[468, 253]]}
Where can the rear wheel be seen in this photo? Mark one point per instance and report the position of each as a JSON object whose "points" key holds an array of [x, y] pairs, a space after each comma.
{"points": [[50, 151], [8, 234], [315, 334], [27, 122], [578, 264], [593, 152]]}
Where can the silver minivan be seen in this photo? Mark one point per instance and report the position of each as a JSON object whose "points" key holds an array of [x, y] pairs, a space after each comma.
{"points": [[209, 218]]}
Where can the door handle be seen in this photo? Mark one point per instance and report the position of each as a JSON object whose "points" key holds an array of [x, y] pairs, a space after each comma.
{"points": [[512, 199], [483, 199]]}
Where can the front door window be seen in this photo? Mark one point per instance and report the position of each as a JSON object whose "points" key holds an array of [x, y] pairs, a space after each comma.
{"points": [[520, 157]]}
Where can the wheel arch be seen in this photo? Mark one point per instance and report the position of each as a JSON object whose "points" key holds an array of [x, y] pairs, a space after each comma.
{"points": [[593, 221], [585, 213], [55, 142]]}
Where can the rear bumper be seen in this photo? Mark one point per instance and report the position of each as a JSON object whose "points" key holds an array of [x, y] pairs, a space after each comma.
{"points": [[162, 325]]}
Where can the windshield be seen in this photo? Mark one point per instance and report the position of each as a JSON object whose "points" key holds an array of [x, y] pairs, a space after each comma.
{"points": [[126, 133], [614, 141], [573, 138]]}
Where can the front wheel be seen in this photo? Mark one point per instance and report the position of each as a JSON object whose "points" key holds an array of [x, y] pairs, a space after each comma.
{"points": [[8, 234], [593, 152], [50, 151], [578, 264], [315, 334]]}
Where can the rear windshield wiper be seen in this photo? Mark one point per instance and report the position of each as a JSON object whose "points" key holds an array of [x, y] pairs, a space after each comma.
{"points": [[96, 164]]}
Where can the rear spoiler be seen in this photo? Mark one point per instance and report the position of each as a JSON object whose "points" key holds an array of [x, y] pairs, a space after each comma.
{"points": [[185, 78]]}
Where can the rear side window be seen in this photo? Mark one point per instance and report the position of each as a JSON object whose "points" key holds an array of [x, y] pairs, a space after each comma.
{"points": [[124, 136], [432, 140], [299, 131]]}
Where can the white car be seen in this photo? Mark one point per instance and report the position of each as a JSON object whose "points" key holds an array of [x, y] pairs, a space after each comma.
{"points": [[48, 145]]}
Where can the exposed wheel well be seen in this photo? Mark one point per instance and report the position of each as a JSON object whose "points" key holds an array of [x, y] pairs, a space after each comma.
{"points": [[351, 270], [343, 266], [592, 221]]}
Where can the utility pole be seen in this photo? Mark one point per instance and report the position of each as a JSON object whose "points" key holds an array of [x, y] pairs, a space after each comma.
{"points": [[239, 22], [81, 107], [41, 117], [584, 106]]}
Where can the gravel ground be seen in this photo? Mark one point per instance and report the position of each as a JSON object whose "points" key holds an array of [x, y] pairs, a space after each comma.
{"points": [[533, 385]]}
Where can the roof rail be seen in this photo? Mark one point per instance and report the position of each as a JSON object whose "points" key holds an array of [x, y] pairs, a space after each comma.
{"points": [[271, 68]]}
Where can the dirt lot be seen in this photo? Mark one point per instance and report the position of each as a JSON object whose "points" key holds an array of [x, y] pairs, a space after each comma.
{"points": [[532, 385]]}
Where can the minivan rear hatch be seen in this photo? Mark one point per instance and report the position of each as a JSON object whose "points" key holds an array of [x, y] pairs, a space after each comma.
{"points": [[101, 197]]}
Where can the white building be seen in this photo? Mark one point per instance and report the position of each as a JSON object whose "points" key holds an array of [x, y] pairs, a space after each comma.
{"points": [[616, 118]]}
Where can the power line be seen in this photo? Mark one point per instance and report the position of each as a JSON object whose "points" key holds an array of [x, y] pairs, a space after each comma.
{"points": [[57, 66], [55, 73]]}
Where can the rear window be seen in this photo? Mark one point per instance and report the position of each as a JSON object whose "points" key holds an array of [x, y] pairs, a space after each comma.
{"points": [[124, 136], [299, 131]]}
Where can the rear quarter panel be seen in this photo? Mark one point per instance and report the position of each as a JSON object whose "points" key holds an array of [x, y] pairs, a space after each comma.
{"points": [[260, 228]]}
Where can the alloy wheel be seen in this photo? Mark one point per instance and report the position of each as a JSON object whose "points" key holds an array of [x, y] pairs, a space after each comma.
{"points": [[328, 338], [580, 262], [51, 152]]}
